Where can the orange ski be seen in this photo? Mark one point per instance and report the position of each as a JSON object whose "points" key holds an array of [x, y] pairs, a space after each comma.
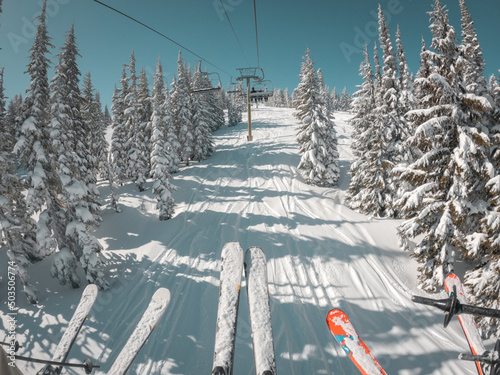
{"points": [[345, 334]]}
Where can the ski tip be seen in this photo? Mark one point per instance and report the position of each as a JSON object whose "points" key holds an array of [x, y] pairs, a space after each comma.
{"points": [[335, 312], [450, 280], [254, 252], [91, 289], [163, 293]]}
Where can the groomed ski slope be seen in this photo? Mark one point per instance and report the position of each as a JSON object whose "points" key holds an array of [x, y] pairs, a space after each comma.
{"points": [[321, 255]]}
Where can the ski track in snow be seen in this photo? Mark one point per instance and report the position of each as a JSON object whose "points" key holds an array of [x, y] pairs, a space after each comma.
{"points": [[320, 256]]}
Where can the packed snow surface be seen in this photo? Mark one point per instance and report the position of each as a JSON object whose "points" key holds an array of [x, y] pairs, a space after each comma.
{"points": [[320, 255]]}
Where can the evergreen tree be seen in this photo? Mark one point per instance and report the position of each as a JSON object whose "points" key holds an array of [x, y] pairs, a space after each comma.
{"points": [[448, 199], [377, 77], [345, 101], [481, 114], [278, 98], [102, 148], [232, 115], [406, 99], [180, 100], [474, 79], [120, 133], [11, 120], [324, 92], [17, 227], [316, 136], [160, 158], [107, 118], [214, 104], [18, 230], [144, 112], [363, 107], [288, 100], [203, 145], [136, 123], [335, 100], [237, 105], [91, 116], [72, 122], [173, 144], [34, 146]]}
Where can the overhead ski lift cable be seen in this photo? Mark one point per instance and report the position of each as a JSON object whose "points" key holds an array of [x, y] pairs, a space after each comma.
{"points": [[162, 35], [234, 32]]}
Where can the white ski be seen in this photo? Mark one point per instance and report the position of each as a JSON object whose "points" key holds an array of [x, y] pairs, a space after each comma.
{"points": [[260, 312], [227, 312], [82, 310], [156, 308]]}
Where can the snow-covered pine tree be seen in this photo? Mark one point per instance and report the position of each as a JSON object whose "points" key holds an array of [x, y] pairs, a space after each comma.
{"points": [[473, 69], [232, 116], [160, 158], [203, 145], [483, 282], [101, 157], [11, 120], [71, 127], [483, 246], [181, 102], [345, 100], [65, 103], [120, 134], [406, 97], [91, 116], [278, 98], [236, 105], [494, 90], [137, 157], [143, 135], [214, 104], [363, 107], [172, 131], [316, 134], [447, 202], [335, 100], [377, 79], [17, 228], [288, 99], [324, 92], [34, 146]]}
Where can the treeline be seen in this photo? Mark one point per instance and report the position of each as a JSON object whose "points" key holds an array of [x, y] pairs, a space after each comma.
{"points": [[427, 151], [282, 98]]}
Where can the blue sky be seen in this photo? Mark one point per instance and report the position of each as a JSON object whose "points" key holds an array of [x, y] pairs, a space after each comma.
{"points": [[333, 29]]}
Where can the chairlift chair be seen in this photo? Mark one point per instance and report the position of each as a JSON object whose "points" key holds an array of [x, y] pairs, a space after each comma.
{"points": [[235, 89], [212, 87], [261, 90]]}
